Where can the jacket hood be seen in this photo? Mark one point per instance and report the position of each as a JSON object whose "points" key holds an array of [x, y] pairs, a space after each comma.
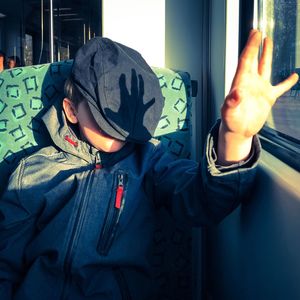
{"points": [[67, 139]]}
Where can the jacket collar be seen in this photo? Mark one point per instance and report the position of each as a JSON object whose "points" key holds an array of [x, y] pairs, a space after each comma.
{"points": [[66, 138]]}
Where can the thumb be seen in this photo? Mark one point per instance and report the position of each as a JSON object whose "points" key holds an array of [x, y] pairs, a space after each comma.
{"points": [[285, 85]]}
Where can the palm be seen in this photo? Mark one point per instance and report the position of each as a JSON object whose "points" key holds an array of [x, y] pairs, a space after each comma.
{"points": [[252, 96]]}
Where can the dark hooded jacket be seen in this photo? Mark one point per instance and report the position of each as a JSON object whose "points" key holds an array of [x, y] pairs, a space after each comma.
{"points": [[77, 223]]}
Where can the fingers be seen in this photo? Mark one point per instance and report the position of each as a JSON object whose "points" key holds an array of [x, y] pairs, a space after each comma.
{"points": [[149, 104], [248, 60], [285, 85], [122, 84], [134, 84], [141, 87], [265, 64], [249, 56]]}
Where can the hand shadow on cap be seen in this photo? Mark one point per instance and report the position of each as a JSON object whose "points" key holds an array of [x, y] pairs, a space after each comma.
{"points": [[130, 117]]}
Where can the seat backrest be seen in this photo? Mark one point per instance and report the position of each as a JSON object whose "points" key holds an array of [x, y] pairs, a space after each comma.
{"points": [[25, 95]]}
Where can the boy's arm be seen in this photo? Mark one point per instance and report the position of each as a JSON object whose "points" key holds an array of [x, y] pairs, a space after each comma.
{"points": [[206, 194], [249, 101], [201, 194], [16, 229]]}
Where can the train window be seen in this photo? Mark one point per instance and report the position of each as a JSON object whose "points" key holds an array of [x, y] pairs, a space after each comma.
{"points": [[280, 20], [40, 31], [28, 50]]}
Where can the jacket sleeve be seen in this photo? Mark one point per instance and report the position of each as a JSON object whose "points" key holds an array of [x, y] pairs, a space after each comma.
{"points": [[204, 193], [16, 227]]}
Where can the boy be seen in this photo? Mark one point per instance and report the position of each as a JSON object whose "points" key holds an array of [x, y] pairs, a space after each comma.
{"points": [[2, 61], [77, 218], [13, 62]]}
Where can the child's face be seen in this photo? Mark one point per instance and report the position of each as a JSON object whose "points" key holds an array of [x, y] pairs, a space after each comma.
{"points": [[11, 63], [89, 128]]}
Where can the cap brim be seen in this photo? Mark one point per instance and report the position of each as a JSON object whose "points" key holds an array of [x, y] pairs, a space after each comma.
{"points": [[107, 127]]}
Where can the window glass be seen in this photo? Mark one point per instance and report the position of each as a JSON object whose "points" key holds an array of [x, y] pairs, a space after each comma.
{"points": [[25, 28], [28, 55], [75, 22], [280, 20]]}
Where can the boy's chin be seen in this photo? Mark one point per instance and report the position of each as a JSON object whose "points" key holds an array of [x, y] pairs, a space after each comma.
{"points": [[110, 146], [102, 141]]}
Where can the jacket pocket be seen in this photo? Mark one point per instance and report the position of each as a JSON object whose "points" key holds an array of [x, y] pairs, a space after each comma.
{"points": [[113, 214]]}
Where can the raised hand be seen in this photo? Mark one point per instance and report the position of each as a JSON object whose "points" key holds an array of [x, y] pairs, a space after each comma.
{"points": [[250, 99]]}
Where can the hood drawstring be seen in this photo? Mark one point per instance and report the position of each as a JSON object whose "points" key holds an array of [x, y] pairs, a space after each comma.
{"points": [[72, 142]]}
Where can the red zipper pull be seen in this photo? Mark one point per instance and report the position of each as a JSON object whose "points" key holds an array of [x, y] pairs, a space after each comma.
{"points": [[120, 191], [98, 164]]}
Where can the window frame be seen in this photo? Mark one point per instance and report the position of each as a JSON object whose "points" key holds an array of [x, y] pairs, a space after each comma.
{"points": [[284, 147]]}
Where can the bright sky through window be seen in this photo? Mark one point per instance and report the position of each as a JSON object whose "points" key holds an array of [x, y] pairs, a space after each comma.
{"points": [[137, 24]]}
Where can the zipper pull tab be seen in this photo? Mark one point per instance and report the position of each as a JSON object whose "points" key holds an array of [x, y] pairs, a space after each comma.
{"points": [[98, 161], [120, 191]]}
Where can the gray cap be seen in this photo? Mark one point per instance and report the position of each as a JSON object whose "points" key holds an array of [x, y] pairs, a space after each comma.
{"points": [[122, 91]]}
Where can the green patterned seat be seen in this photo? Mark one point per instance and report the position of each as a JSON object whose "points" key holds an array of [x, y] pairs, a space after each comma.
{"points": [[26, 93]]}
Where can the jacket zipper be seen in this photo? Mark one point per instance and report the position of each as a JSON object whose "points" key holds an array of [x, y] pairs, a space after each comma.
{"points": [[98, 164], [122, 284], [112, 218], [75, 232]]}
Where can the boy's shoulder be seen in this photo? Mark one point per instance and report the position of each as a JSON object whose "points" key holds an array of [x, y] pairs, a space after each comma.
{"points": [[43, 161], [43, 153], [37, 170], [29, 168]]}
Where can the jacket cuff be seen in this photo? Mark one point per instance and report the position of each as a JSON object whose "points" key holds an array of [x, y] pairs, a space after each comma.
{"points": [[211, 155]]}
